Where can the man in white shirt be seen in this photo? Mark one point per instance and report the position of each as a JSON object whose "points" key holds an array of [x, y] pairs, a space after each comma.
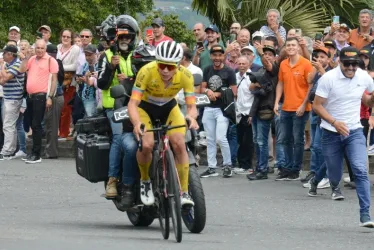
{"points": [[244, 125], [337, 101]]}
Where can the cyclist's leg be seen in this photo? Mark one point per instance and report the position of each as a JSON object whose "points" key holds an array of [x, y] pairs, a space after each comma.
{"points": [[144, 157], [177, 140]]}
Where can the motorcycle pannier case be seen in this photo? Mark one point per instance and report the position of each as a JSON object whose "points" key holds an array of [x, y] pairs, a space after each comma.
{"points": [[92, 157], [93, 125]]}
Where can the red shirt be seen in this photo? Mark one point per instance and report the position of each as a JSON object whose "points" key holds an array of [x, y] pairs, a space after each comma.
{"points": [[364, 111], [165, 38]]}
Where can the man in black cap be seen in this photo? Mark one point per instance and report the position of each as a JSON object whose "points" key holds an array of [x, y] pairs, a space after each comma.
{"points": [[216, 77], [12, 81], [202, 57], [338, 101], [52, 115], [158, 28]]}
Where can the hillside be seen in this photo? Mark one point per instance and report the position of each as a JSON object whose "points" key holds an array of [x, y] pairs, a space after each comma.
{"points": [[183, 9]]}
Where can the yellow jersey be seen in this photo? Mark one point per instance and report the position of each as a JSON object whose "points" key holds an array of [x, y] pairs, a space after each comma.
{"points": [[150, 87]]}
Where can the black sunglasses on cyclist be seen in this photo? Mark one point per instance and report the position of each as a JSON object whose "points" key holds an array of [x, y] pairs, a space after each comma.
{"points": [[170, 67], [348, 63]]}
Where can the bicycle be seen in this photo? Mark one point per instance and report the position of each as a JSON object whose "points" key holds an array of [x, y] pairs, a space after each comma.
{"points": [[165, 181]]}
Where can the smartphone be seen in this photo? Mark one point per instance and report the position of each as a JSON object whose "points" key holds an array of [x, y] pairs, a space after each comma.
{"points": [[199, 44], [298, 32], [336, 19], [232, 37], [149, 32], [39, 34], [318, 37]]}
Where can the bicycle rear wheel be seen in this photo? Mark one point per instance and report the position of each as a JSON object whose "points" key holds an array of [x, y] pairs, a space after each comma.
{"points": [[174, 195]]}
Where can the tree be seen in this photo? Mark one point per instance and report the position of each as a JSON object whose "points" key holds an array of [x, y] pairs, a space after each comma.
{"points": [[75, 14], [175, 28], [311, 16]]}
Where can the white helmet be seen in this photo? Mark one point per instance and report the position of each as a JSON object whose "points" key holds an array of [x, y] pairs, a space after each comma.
{"points": [[169, 51]]}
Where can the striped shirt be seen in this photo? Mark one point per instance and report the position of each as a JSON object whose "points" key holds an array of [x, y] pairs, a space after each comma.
{"points": [[14, 88], [269, 32]]}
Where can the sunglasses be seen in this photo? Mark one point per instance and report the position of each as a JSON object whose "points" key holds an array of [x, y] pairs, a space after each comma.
{"points": [[170, 67], [127, 37], [84, 36], [348, 63]]}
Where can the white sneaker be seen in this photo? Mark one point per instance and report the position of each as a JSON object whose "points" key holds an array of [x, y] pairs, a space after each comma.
{"points": [[347, 179], [307, 185], [325, 183], [186, 200], [242, 171], [146, 193], [20, 154], [371, 150]]}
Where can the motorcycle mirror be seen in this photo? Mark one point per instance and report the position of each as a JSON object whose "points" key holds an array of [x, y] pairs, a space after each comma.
{"points": [[197, 78], [117, 91]]}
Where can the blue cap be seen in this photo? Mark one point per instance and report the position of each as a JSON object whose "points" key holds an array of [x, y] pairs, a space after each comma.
{"points": [[212, 27]]}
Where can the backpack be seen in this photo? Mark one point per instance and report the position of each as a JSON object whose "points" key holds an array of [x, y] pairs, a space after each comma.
{"points": [[228, 104]]}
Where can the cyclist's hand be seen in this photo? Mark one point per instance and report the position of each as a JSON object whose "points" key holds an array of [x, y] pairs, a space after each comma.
{"points": [[193, 123], [138, 131]]}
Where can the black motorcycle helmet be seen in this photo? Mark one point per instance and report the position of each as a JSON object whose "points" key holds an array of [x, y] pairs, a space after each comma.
{"points": [[127, 25]]}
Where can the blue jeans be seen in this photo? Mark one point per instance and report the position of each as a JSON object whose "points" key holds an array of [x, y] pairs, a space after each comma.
{"points": [[129, 145], [261, 131], [280, 160], [333, 147], [89, 107], [292, 139], [216, 125], [21, 133], [317, 161], [115, 148], [233, 143]]}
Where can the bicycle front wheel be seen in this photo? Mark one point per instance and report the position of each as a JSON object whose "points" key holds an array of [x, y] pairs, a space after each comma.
{"points": [[174, 195]]}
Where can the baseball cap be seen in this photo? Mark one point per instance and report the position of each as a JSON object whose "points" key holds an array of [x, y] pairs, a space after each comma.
{"points": [[51, 48], [46, 27], [329, 42], [251, 48], [349, 54], [90, 49], [217, 48], [258, 33], [345, 27], [269, 48], [11, 48], [15, 28], [212, 27], [324, 50], [365, 52], [158, 21]]}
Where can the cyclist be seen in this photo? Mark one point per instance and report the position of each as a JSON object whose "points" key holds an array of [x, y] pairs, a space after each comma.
{"points": [[153, 97]]}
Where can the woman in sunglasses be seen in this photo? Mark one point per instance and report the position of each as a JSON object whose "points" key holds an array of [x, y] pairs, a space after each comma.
{"points": [[68, 53]]}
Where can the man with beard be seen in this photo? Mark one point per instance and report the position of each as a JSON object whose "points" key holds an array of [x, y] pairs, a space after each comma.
{"points": [[342, 132], [202, 55], [113, 68], [216, 77]]}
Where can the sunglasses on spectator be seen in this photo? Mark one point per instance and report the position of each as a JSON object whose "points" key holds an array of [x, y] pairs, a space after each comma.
{"points": [[170, 67], [348, 63], [82, 36]]}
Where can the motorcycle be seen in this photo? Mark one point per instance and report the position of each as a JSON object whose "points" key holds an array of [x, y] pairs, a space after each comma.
{"points": [[142, 216]]}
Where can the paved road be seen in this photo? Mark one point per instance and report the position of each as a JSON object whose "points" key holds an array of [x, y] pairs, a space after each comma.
{"points": [[48, 206]]}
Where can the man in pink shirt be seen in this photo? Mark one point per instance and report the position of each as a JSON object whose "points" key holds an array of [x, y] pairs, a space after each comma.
{"points": [[158, 28], [41, 87]]}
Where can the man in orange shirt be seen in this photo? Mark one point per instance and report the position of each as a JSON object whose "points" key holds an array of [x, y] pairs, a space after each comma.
{"points": [[293, 84], [363, 35], [40, 91]]}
